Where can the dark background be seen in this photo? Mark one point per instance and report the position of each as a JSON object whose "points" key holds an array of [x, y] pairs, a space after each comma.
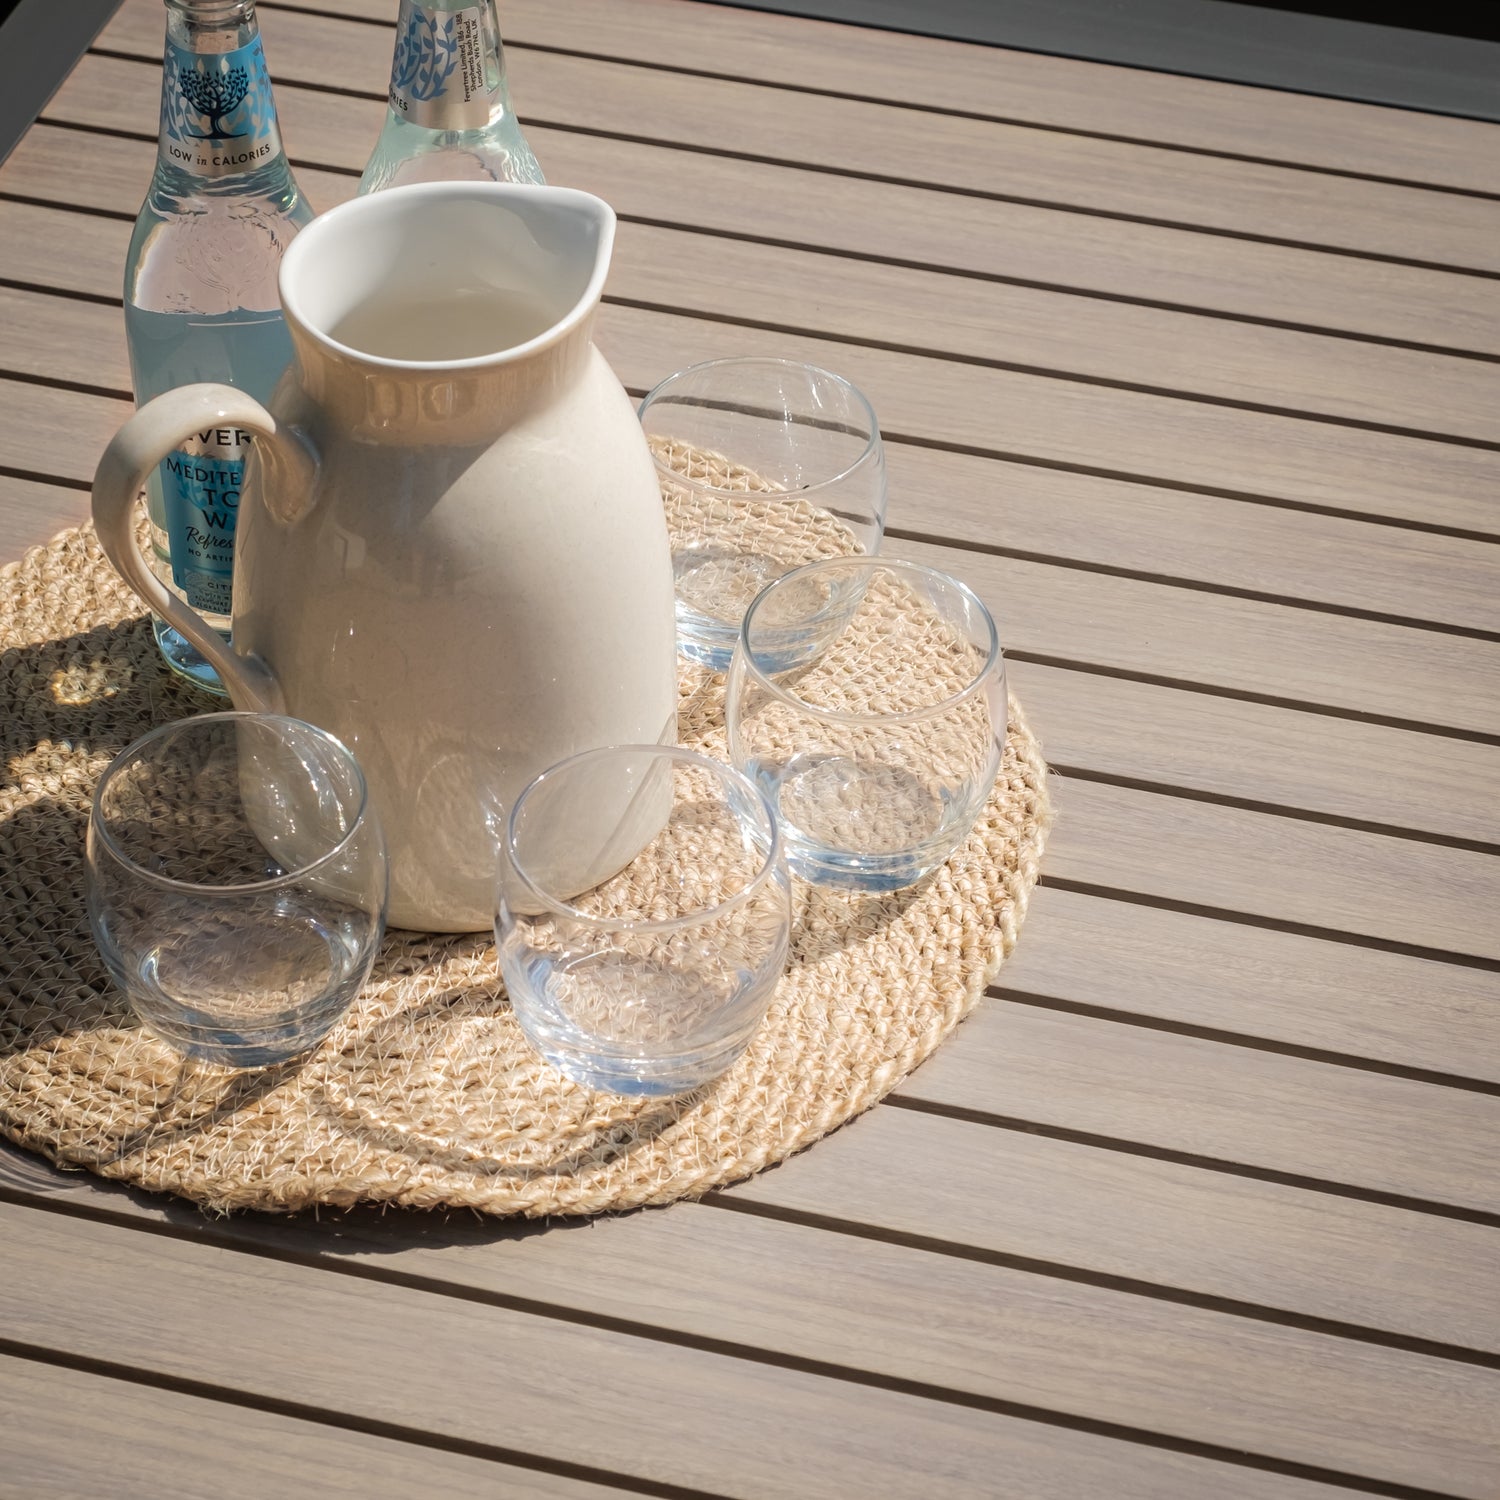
{"points": [[1465, 19]]}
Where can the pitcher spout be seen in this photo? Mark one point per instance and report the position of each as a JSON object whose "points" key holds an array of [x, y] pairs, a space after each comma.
{"points": [[448, 306]]}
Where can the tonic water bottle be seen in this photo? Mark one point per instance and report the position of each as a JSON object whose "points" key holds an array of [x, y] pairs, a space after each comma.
{"points": [[200, 290], [450, 114]]}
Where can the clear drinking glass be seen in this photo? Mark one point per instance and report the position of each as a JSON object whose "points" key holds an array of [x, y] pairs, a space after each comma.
{"points": [[867, 700], [654, 978], [236, 884], [764, 464]]}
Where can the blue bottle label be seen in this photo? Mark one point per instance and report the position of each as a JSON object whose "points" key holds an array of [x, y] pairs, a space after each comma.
{"points": [[218, 116], [201, 497], [440, 75]]}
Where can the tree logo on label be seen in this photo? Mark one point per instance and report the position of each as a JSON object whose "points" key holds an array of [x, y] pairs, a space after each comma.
{"points": [[215, 93]]}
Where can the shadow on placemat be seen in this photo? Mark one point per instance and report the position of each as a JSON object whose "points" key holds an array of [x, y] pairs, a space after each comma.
{"points": [[67, 708], [427, 1095], [454, 1055]]}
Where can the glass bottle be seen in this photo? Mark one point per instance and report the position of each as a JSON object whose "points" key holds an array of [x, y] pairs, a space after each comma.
{"points": [[200, 289], [449, 114]]}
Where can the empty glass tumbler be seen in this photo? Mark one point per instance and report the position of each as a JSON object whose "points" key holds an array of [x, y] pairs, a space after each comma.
{"points": [[764, 464], [236, 884], [867, 701], [644, 916]]}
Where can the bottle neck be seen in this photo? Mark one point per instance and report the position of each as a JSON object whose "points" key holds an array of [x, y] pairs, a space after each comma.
{"points": [[211, 26], [218, 114], [448, 71]]}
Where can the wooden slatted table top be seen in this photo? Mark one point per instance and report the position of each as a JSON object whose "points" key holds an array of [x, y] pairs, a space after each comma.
{"points": [[1199, 384]]}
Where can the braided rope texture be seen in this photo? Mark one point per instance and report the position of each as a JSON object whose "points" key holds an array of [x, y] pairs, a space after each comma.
{"points": [[426, 1094]]}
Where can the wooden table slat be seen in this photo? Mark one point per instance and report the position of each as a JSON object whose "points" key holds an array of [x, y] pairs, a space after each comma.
{"points": [[32, 513], [1282, 869], [1117, 1213], [1194, 113], [667, 1414], [907, 1314], [72, 1433], [1425, 676], [1228, 977], [1282, 1114], [851, 136], [1312, 764], [1051, 421], [1240, 279], [36, 413], [977, 322]]}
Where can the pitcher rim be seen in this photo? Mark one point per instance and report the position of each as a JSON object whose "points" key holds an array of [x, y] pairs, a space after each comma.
{"points": [[307, 239]]}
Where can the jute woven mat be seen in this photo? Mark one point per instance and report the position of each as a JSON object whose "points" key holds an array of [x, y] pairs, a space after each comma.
{"points": [[426, 1094]]}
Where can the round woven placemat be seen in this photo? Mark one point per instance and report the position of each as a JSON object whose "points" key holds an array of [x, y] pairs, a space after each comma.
{"points": [[426, 1094]]}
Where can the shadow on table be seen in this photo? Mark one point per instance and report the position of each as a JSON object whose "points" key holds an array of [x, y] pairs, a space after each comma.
{"points": [[363, 1230]]}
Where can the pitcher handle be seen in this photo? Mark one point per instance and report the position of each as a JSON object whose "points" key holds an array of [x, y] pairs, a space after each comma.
{"points": [[134, 453]]}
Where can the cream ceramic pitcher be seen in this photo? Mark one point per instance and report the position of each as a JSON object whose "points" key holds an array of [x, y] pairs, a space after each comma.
{"points": [[450, 551]]}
